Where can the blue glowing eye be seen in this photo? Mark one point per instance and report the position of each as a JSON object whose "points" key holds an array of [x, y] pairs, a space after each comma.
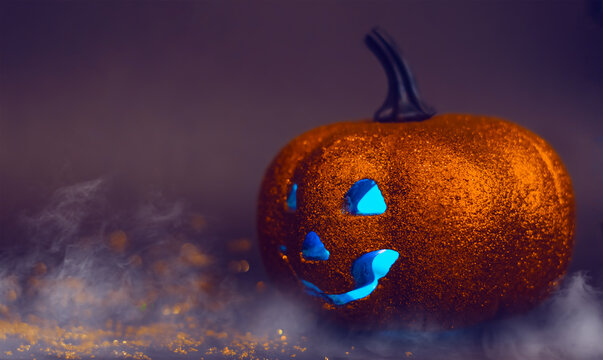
{"points": [[313, 248], [292, 198], [365, 198]]}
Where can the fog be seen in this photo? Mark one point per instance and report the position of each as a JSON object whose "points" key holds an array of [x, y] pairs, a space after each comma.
{"points": [[100, 281]]}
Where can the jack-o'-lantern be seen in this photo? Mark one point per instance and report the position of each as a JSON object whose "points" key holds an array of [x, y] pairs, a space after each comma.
{"points": [[414, 219]]}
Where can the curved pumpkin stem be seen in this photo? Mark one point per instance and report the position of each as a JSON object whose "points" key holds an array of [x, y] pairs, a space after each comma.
{"points": [[402, 102]]}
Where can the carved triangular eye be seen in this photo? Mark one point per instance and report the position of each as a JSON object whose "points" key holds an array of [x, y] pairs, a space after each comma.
{"points": [[365, 198], [292, 198], [313, 248]]}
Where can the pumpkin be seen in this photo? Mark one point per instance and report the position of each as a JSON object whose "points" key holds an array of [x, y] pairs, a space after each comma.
{"points": [[415, 219]]}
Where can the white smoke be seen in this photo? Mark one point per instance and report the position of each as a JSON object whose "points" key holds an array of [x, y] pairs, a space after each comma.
{"points": [[569, 326], [61, 220], [88, 263]]}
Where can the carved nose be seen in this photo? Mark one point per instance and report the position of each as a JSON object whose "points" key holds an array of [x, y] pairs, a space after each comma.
{"points": [[313, 248]]}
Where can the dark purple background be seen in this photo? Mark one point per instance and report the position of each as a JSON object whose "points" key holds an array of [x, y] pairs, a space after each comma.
{"points": [[193, 99]]}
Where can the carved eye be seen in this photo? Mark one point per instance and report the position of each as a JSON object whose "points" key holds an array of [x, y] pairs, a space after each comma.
{"points": [[313, 248], [292, 198], [365, 198]]}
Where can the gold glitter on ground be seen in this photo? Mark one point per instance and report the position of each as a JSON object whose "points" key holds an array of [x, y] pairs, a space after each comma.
{"points": [[170, 300], [187, 339]]}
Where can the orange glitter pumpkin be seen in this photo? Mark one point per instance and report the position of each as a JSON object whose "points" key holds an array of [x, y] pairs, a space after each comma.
{"points": [[416, 220]]}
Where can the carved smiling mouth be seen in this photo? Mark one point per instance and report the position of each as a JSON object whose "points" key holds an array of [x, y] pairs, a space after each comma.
{"points": [[366, 270]]}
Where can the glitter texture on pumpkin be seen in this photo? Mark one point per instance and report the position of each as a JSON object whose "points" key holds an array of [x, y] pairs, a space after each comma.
{"points": [[480, 210]]}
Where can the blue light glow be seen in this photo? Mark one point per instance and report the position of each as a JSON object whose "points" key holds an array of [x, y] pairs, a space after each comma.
{"points": [[367, 270], [313, 248], [292, 198], [365, 198]]}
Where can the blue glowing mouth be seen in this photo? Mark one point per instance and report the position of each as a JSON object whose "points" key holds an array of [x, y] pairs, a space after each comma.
{"points": [[366, 270]]}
